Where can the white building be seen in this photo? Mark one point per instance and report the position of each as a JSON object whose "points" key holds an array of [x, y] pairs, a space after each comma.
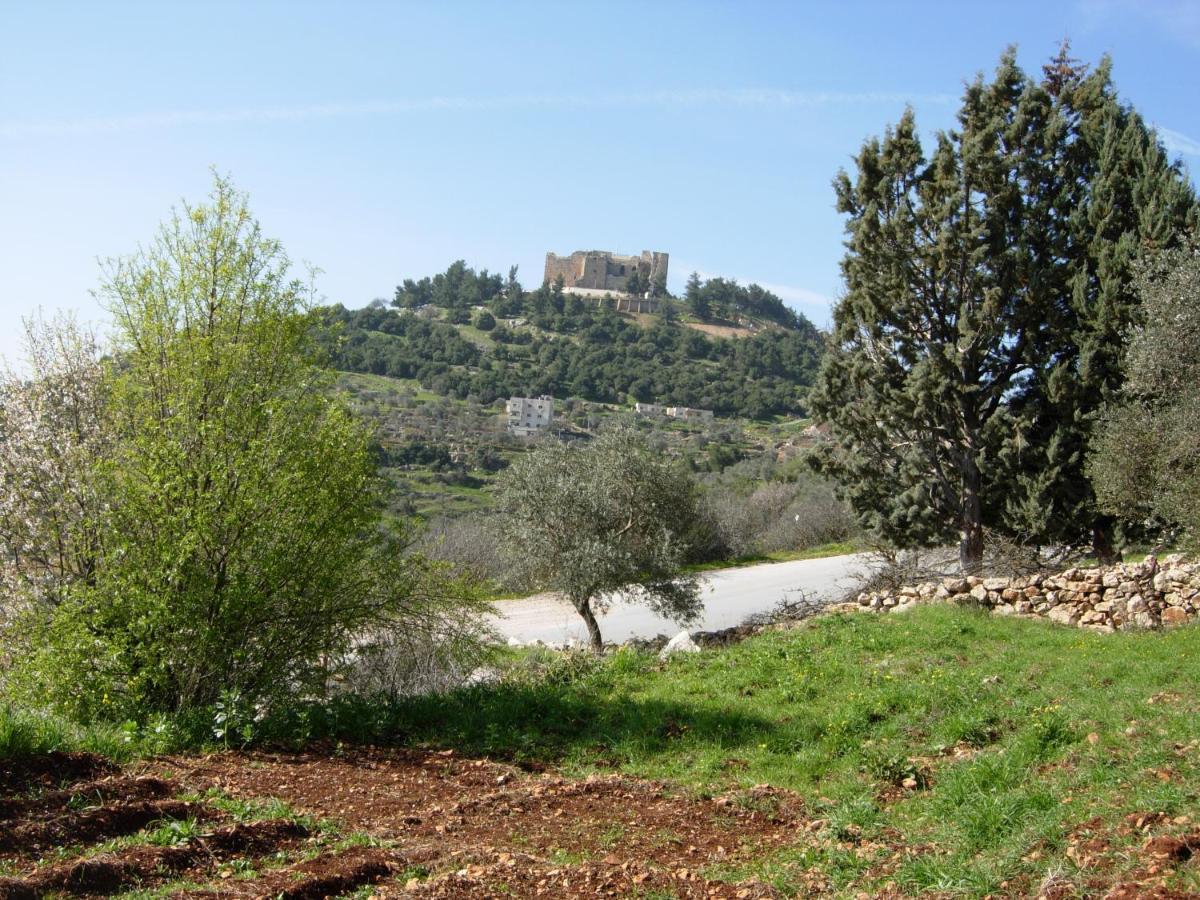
{"points": [[529, 415], [648, 409], [688, 414]]}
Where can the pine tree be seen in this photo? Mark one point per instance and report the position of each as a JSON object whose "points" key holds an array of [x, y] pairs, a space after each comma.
{"points": [[694, 295], [986, 295], [1118, 198]]}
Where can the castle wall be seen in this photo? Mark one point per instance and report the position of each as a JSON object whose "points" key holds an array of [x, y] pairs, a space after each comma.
{"points": [[603, 271]]}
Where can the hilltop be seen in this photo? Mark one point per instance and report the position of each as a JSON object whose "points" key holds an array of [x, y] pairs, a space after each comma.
{"points": [[463, 334]]}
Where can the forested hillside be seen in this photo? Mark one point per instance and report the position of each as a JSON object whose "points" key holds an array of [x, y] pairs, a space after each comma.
{"points": [[463, 334]]}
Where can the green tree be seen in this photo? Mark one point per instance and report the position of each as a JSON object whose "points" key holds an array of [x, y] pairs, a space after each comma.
{"points": [[242, 548], [696, 300], [1118, 197], [968, 276], [485, 321], [635, 283], [597, 521], [1145, 461], [512, 287]]}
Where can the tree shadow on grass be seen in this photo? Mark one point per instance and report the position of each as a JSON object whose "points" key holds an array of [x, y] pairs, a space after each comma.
{"points": [[530, 725]]}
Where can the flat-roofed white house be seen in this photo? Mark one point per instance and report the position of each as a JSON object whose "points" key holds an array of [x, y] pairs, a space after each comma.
{"points": [[529, 415], [689, 414]]}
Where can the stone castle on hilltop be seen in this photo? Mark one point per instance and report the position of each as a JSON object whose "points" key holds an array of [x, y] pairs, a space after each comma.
{"points": [[598, 272]]}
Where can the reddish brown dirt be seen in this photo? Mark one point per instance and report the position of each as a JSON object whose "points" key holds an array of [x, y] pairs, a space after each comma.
{"points": [[434, 825], [144, 865], [50, 770], [92, 825], [522, 875], [431, 804], [91, 793], [328, 875]]}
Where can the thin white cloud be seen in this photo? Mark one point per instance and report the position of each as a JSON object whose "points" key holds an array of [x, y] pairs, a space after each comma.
{"points": [[1177, 142], [744, 98], [1176, 19]]}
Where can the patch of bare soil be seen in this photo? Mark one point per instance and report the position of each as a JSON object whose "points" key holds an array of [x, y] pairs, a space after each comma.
{"points": [[108, 821], [438, 809], [328, 875], [432, 824], [50, 770], [523, 875], [721, 331], [139, 866], [1117, 870], [89, 793]]}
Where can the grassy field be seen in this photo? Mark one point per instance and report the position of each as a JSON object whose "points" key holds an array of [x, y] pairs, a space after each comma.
{"points": [[997, 748], [834, 548], [939, 751]]}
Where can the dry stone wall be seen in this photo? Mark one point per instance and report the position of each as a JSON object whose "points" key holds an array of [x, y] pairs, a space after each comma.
{"points": [[1151, 594]]}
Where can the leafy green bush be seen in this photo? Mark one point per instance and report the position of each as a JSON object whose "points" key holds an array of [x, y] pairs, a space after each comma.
{"points": [[233, 523]]}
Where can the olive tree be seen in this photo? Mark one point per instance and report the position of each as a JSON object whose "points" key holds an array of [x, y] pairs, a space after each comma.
{"points": [[1146, 461], [599, 520]]}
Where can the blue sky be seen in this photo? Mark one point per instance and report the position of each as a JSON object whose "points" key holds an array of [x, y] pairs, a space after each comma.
{"points": [[380, 141]]}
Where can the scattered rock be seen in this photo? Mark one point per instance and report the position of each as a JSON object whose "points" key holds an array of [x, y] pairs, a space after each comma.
{"points": [[681, 643], [483, 675]]}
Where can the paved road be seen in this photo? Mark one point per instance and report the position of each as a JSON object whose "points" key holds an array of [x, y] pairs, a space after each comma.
{"points": [[730, 596]]}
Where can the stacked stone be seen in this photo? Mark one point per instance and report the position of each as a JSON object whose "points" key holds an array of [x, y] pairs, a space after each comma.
{"points": [[1150, 594]]}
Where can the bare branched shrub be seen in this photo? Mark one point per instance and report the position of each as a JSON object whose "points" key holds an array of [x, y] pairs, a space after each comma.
{"points": [[777, 515], [409, 661], [469, 545]]}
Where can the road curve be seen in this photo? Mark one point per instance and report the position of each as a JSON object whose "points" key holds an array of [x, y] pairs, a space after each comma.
{"points": [[730, 597]]}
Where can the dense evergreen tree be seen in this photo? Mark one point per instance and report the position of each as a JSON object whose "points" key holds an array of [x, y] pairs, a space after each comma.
{"points": [[636, 284], [986, 292], [696, 301], [1116, 198]]}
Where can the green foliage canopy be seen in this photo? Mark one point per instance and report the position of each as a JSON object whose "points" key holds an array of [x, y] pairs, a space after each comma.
{"points": [[595, 521], [1146, 457], [241, 549], [987, 286], [569, 348]]}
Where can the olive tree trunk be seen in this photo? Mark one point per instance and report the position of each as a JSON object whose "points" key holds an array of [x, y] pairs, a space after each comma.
{"points": [[583, 606]]}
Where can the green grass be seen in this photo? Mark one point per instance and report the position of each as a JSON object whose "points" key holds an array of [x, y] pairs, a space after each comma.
{"points": [[365, 381], [990, 716], [821, 551], [26, 733], [1010, 734]]}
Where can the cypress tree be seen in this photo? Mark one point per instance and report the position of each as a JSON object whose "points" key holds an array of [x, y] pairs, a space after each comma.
{"points": [[986, 295], [1118, 199], [696, 301]]}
